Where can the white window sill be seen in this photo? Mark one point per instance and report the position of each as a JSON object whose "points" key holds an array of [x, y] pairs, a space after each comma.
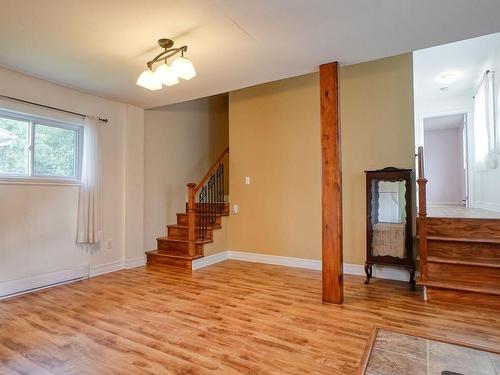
{"points": [[37, 181]]}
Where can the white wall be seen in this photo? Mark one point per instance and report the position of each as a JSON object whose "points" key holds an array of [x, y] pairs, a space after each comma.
{"points": [[449, 105], [182, 141], [38, 222], [444, 166], [483, 191], [487, 193]]}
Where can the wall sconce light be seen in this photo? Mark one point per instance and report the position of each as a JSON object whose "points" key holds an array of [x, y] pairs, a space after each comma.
{"points": [[166, 74]]}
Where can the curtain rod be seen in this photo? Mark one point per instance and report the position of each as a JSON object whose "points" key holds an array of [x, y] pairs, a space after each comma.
{"points": [[488, 71], [105, 120]]}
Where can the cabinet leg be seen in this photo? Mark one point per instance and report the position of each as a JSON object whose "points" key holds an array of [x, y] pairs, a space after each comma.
{"points": [[368, 272], [412, 278]]}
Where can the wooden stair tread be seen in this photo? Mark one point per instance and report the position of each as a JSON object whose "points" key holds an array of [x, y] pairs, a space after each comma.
{"points": [[195, 227], [184, 240], [175, 254], [464, 261], [463, 239], [449, 284]]}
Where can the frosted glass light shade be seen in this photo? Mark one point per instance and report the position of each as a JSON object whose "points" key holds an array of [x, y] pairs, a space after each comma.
{"points": [[183, 68], [448, 78], [166, 75], [148, 80]]}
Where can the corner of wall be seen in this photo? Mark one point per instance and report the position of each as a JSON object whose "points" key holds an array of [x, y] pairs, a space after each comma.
{"points": [[134, 183]]}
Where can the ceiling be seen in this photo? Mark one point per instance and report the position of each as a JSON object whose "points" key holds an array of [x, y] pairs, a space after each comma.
{"points": [[101, 46], [444, 122], [469, 59]]}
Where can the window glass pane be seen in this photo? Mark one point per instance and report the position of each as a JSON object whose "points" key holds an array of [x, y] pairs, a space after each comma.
{"points": [[54, 151], [13, 146]]}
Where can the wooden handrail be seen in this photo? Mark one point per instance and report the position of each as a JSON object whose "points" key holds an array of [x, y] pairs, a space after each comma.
{"points": [[211, 170], [422, 214]]}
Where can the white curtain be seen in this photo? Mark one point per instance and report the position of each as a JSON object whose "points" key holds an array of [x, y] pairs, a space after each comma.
{"points": [[89, 230], [484, 125]]}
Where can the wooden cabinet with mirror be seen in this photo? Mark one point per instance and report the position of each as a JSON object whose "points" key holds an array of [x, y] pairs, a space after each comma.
{"points": [[389, 237]]}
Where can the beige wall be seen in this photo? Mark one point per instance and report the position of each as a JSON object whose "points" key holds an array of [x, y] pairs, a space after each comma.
{"points": [[181, 141], [377, 132], [274, 134], [274, 137]]}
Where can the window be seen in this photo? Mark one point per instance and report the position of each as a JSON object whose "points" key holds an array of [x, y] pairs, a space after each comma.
{"points": [[37, 148], [484, 124]]}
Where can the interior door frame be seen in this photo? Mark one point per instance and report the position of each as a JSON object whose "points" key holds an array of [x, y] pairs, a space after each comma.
{"points": [[465, 143]]}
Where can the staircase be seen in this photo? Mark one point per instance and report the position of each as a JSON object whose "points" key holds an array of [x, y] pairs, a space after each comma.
{"points": [[459, 257], [194, 228]]}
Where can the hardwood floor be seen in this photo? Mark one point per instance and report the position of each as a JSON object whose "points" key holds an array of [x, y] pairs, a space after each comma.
{"points": [[452, 210], [233, 317]]}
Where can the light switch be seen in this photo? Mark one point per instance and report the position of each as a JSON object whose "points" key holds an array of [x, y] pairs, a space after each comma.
{"points": [[235, 209], [247, 180]]}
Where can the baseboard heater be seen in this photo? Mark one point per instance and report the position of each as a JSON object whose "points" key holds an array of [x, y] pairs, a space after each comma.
{"points": [[28, 284]]}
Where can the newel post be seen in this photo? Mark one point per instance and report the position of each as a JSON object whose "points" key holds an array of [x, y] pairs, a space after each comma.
{"points": [[422, 214], [422, 226], [191, 210]]}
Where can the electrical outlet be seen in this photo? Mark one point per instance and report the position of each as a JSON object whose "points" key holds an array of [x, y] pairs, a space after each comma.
{"points": [[247, 180], [235, 209], [109, 244]]}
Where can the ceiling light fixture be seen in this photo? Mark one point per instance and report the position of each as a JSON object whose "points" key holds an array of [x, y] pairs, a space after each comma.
{"points": [[167, 74], [448, 78]]}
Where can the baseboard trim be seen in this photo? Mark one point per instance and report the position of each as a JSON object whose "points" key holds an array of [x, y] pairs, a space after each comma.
{"points": [[134, 262], [17, 287], [102, 269], [436, 203], [209, 260], [487, 206], [312, 264]]}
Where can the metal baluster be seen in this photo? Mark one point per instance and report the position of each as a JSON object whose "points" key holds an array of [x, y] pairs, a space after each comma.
{"points": [[223, 183], [218, 189], [221, 209], [202, 216], [211, 190], [204, 210], [215, 196]]}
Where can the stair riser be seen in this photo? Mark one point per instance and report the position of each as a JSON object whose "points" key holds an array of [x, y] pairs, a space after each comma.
{"points": [[183, 220], [464, 228], [447, 249], [155, 260], [166, 246], [476, 276], [182, 233], [464, 298]]}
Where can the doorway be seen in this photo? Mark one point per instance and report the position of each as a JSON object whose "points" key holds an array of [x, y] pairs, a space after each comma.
{"points": [[445, 155]]}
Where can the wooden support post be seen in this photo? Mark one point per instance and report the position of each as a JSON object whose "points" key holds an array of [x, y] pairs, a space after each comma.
{"points": [[191, 210], [333, 279]]}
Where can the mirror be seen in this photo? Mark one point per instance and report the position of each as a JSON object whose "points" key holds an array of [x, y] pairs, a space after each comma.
{"points": [[388, 219]]}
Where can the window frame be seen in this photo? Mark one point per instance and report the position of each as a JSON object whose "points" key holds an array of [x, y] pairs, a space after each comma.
{"points": [[31, 177]]}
